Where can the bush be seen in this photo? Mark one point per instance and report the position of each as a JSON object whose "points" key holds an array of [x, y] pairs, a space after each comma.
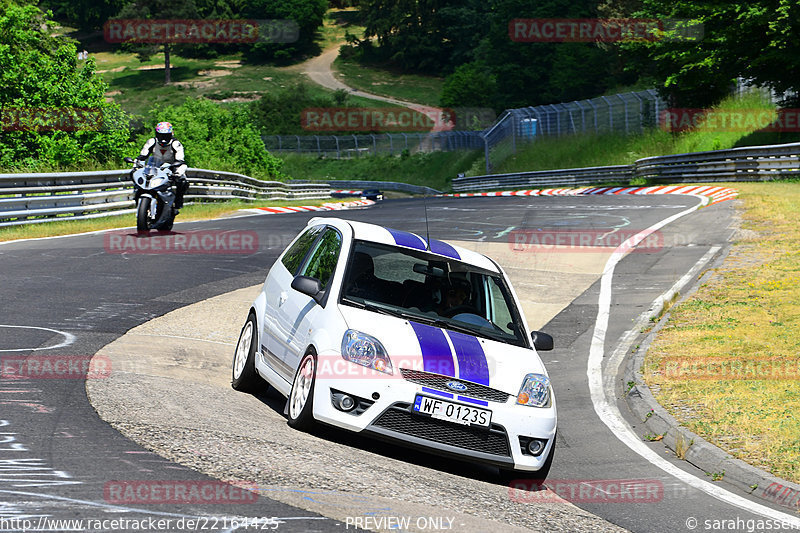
{"points": [[218, 137], [39, 74], [471, 85]]}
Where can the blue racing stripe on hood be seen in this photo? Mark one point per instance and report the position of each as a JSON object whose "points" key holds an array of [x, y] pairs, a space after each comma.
{"points": [[442, 248], [472, 365], [409, 240], [436, 354]]}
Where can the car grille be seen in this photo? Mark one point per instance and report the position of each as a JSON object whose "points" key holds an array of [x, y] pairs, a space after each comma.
{"points": [[437, 381], [399, 419]]}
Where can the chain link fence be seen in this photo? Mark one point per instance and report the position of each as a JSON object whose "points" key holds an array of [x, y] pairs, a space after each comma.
{"points": [[348, 146], [624, 113]]}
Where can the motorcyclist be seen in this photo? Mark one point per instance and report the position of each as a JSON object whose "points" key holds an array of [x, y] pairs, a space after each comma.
{"points": [[165, 148]]}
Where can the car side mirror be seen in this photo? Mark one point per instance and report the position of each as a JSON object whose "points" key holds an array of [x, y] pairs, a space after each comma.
{"points": [[542, 341], [309, 286], [128, 160]]}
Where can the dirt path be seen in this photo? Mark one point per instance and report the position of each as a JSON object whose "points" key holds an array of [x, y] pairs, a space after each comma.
{"points": [[320, 70]]}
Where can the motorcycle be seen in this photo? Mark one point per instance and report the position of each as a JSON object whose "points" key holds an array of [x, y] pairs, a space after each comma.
{"points": [[154, 194]]}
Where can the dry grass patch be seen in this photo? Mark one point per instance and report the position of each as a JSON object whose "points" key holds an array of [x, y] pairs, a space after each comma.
{"points": [[727, 364]]}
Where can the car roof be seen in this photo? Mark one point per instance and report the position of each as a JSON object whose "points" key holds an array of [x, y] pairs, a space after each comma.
{"points": [[392, 237]]}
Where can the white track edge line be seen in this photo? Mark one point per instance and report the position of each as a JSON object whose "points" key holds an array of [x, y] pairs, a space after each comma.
{"points": [[610, 415]]}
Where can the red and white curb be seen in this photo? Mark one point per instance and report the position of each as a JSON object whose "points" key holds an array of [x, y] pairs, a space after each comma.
{"points": [[714, 194], [305, 208]]}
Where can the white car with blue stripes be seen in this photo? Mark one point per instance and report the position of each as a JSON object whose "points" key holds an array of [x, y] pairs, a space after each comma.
{"points": [[388, 334]]}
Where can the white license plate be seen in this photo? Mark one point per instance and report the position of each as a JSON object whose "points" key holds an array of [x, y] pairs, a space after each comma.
{"points": [[452, 412]]}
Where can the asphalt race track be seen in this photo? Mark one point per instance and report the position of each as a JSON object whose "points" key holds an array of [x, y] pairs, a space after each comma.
{"points": [[69, 297]]}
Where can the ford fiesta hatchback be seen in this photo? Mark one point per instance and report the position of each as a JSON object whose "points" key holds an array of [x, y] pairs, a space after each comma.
{"points": [[381, 332]]}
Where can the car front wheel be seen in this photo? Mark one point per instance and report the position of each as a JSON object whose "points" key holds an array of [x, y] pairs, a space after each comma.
{"points": [[244, 376], [301, 399]]}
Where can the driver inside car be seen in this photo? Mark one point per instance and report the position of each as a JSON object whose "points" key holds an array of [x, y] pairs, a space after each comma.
{"points": [[453, 296]]}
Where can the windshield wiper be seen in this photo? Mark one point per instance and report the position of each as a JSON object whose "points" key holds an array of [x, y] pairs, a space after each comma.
{"points": [[439, 323], [375, 308]]}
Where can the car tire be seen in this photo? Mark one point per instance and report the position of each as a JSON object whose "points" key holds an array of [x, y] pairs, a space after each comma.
{"points": [[301, 397], [244, 377], [509, 475]]}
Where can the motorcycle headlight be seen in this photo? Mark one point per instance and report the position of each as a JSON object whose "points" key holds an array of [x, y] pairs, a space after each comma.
{"points": [[535, 391], [365, 350]]}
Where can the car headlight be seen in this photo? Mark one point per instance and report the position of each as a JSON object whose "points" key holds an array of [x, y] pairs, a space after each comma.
{"points": [[365, 350], [535, 391]]}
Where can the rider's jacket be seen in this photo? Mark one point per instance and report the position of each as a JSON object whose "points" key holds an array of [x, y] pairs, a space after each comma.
{"points": [[172, 154]]}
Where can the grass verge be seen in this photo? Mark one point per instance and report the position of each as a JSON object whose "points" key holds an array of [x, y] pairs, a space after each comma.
{"points": [[727, 363], [200, 211]]}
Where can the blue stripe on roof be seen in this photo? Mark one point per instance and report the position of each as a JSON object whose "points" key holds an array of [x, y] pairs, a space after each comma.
{"points": [[472, 400], [442, 248], [436, 355], [440, 393], [409, 240], [472, 365]]}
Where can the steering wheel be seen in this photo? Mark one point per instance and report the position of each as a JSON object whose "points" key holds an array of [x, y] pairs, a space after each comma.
{"points": [[460, 309]]}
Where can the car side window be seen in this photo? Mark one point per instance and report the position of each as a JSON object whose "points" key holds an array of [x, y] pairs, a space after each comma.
{"points": [[324, 258], [294, 256]]}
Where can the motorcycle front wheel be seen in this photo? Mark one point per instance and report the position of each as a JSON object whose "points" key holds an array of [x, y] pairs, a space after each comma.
{"points": [[143, 214]]}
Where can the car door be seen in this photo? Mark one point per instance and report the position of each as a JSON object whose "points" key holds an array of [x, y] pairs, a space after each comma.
{"points": [[276, 288], [297, 312]]}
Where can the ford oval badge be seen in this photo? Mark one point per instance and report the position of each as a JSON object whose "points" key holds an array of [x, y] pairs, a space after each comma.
{"points": [[456, 386]]}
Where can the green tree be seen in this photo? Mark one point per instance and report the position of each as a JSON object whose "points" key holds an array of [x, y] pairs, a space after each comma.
{"points": [[158, 10], [541, 72], [422, 35], [86, 14], [307, 14], [471, 85], [756, 40], [40, 76]]}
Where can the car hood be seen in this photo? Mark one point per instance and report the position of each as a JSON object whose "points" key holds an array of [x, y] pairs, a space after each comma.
{"points": [[416, 346]]}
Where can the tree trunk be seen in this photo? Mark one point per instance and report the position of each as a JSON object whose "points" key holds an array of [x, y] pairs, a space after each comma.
{"points": [[166, 64]]}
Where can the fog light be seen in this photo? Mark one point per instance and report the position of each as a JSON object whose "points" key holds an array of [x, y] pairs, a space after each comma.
{"points": [[346, 403], [535, 446]]}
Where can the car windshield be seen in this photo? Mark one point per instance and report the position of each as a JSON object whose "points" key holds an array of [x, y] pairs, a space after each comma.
{"points": [[432, 289]]}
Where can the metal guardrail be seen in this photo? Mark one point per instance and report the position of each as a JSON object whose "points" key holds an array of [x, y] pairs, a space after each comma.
{"points": [[383, 185], [757, 163], [32, 198], [574, 177]]}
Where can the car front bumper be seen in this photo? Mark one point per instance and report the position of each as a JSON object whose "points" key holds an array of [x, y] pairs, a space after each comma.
{"points": [[385, 411]]}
